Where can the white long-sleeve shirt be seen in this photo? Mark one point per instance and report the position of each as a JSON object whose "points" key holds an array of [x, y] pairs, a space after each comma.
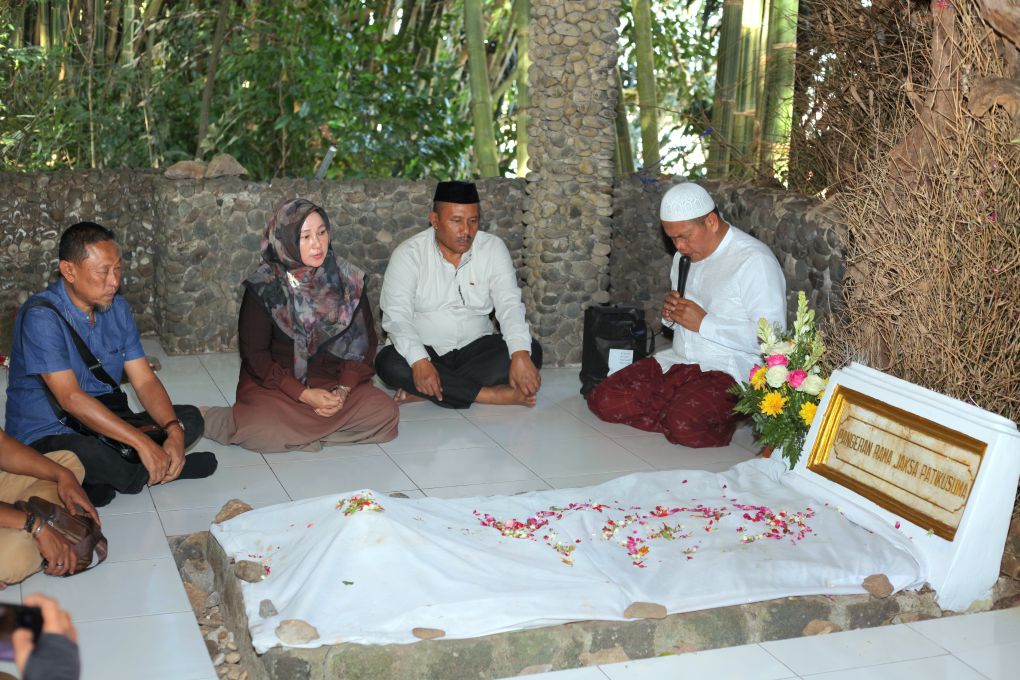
{"points": [[425, 300], [736, 285]]}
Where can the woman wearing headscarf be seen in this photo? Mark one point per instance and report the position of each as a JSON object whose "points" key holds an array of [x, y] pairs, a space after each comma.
{"points": [[307, 344]]}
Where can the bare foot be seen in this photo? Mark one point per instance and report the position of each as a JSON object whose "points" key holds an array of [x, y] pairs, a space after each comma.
{"points": [[504, 394], [403, 397]]}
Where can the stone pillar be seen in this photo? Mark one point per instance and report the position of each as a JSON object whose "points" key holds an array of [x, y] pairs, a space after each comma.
{"points": [[570, 186]]}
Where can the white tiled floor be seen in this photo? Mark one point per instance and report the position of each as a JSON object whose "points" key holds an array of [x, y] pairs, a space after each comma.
{"points": [[133, 617]]}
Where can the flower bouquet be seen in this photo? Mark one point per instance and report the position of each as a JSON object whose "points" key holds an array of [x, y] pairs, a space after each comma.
{"points": [[783, 391]]}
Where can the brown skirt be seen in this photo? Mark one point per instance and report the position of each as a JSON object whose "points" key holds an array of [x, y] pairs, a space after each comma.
{"points": [[267, 420]]}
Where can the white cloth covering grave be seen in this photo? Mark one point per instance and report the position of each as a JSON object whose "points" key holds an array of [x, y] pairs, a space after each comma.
{"points": [[371, 576]]}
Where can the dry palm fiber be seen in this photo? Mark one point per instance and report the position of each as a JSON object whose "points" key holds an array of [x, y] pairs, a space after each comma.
{"points": [[933, 277]]}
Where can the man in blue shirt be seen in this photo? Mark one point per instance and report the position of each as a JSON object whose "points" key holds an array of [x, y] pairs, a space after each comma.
{"points": [[44, 357]]}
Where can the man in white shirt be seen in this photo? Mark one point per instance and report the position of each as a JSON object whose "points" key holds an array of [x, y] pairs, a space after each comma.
{"points": [[734, 280], [439, 290]]}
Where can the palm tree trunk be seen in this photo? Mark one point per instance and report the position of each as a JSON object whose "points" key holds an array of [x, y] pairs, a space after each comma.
{"points": [[725, 100], [481, 101], [647, 101], [778, 106], [522, 21]]}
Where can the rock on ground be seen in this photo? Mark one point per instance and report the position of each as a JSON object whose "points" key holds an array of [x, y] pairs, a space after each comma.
{"points": [[249, 571], [645, 610], [428, 633], [296, 632], [878, 585], [231, 509], [267, 609]]}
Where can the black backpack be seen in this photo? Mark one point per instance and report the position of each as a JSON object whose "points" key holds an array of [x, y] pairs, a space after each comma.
{"points": [[605, 328]]}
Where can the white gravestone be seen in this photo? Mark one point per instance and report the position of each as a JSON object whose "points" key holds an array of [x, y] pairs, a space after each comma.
{"points": [[941, 471]]}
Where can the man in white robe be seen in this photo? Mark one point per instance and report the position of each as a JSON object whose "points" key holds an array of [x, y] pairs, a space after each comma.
{"points": [[734, 280]]}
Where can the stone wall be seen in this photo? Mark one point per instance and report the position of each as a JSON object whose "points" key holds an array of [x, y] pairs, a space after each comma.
{"points": [[212, 229], [188, 244], [572, 141], [804, 233], [36, 208]]}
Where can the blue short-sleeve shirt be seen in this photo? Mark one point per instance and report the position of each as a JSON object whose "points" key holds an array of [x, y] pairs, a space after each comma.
{"points": [[43, 344]]}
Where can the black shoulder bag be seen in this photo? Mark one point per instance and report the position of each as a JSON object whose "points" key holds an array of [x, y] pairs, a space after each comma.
{"points": [[116, 400]]}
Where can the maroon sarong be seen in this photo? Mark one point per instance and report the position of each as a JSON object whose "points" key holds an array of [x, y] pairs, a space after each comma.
{"points": [[689, 406]]}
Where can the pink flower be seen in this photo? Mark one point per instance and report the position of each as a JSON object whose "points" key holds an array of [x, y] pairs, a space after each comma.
{"points": [[777, 360], [753, 371], [795, 378]]}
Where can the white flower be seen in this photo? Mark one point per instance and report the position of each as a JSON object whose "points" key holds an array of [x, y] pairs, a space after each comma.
{"points": [[784, 347], [811, 385], [776, 376]]}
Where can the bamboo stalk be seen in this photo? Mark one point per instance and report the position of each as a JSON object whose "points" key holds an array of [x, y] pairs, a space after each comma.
{"points": [[481, 101], [725, 99], [18, 38], [624, 153], [747, 88], [779, 77], [42, 25], [112, 33], [522, 22], [127, 42], [210, 75], [647, 99]]}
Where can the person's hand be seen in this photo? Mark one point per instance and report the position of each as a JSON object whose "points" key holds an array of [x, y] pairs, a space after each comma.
{"points": [[322, 401], [74, 497], [341, 391], [174, 448], [426, 379], [55, 620], [682, 311], [155, 459], [57, 552], [524, 377]]}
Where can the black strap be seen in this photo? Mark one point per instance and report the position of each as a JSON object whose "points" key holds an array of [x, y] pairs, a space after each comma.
{"points": [[90, 360]]}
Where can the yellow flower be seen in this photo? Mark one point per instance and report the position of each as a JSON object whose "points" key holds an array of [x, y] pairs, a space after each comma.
{"points": [[758, 379], [807, 412], [773, 403]]}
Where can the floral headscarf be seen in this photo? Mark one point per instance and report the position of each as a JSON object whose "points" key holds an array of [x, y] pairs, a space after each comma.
{"points": [[317, 307]]}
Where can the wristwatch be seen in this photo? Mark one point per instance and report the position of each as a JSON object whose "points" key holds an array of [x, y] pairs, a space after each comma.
{"points": [[174, 422], [29, 521]]}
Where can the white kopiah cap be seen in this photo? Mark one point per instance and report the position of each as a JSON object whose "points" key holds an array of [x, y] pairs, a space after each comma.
{"points": [[686, 201]]}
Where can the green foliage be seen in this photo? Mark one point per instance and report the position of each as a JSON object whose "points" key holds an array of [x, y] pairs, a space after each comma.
{"points": [[685, 37], [296, 76], [293, 79]]}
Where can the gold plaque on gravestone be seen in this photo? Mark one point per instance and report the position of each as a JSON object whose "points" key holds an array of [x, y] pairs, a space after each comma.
{"points": [[909, 465]]}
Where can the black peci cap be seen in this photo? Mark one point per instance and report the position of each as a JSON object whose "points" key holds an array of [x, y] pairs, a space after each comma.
{"points": [[456, 192]]}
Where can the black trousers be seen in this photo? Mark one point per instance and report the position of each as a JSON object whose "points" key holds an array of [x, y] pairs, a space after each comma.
{"points": [[104, 466], [463, 372]]}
